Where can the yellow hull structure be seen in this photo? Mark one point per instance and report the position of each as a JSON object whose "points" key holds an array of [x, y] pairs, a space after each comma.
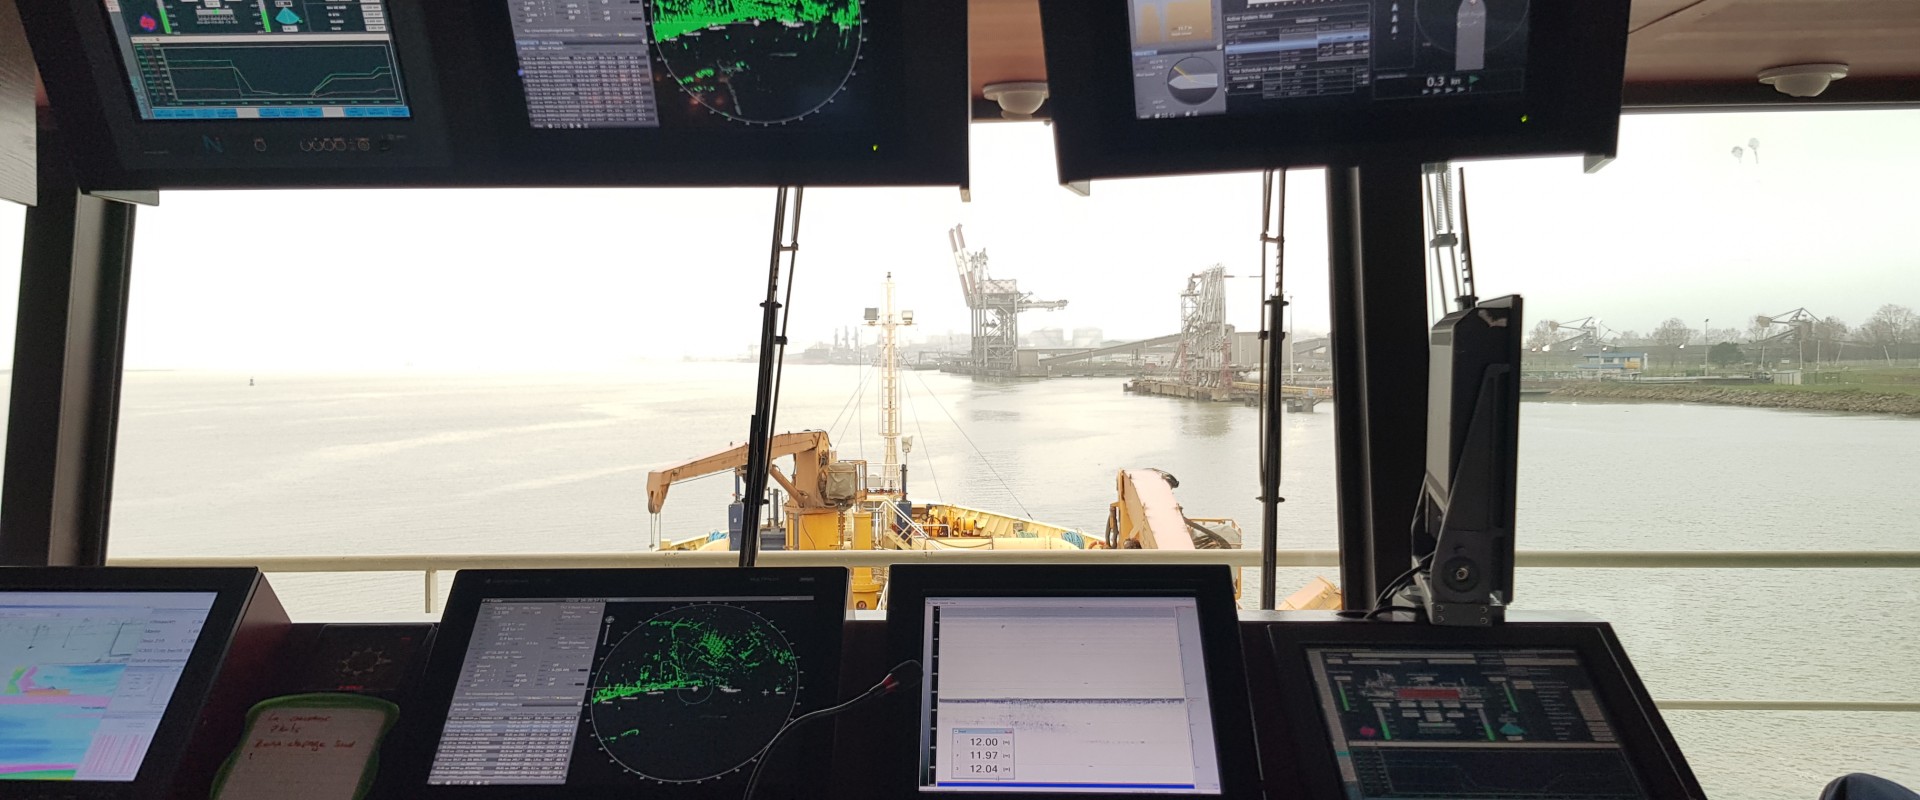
{"points": [[947, 526]]}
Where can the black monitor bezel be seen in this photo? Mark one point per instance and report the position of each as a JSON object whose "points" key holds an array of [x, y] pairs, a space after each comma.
{"points": [[909, 586], [116, 149], [1650, 746], [1576, 68], [918, 137], [471, 132], [232, 589], [828, 586]]}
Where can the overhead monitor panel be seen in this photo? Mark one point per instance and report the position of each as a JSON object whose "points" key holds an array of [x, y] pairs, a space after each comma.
{"points": [[1242, 57], [253, 59], [159, 94], [1146, 87], [695, 92]]}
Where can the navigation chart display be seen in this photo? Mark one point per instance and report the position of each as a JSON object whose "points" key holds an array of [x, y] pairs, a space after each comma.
{"points": [[667, 63], [1066, 695], [1521, 724], [85, 678], [624, 691], [1210, 57], [259, 59]]}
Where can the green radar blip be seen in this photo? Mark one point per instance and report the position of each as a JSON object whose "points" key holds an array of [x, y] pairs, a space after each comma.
{"points": [[760, 62], [693, 693]]}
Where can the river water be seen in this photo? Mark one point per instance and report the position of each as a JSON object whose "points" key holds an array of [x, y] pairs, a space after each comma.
{"points": [[412, 463]]}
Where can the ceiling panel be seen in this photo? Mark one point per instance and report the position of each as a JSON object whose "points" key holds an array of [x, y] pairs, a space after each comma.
{"points": [[1646, 12], [1004, 37]]}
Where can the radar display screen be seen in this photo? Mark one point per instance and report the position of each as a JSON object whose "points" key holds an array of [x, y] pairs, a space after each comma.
{"points": [[635, 691], [683, 63], [86, 678], [1196, 58], [1515, 724], [259, 59]]}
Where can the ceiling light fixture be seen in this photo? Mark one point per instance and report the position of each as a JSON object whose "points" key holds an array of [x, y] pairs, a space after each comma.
{"points": [[1803, 80], [1017, 99]]}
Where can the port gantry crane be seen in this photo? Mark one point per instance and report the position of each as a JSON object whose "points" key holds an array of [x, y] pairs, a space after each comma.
{"points": [[1203, 356], [996, 304], [1586, 332]]}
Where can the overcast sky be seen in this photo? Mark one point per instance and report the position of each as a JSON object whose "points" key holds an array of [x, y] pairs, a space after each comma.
{"points": [[351, 280]]}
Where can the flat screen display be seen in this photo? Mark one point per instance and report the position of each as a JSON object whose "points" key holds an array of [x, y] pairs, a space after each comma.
{"points": [[680, 63], [672, 693], [1241, 57], [1066, 695], [85, 678], [259, 59], [1524, 724]]}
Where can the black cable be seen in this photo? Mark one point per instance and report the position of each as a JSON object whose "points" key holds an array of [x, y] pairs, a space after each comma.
{"points": [[903, 676], [1390, 609]]}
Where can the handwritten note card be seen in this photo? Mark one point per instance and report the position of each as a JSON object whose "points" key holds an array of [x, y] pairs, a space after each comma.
{"points": [[306, 750]]}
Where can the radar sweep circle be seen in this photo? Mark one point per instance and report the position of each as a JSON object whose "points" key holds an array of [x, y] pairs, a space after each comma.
{"points": [[763, 62], [693, 693]]}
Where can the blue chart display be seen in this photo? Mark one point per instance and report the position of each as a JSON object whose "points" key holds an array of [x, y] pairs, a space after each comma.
{"points": [[85, 678], [231, 59], [1440, 724]]}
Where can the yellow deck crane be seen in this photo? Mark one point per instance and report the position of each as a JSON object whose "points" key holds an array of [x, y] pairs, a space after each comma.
{"points": [[822, 507]]}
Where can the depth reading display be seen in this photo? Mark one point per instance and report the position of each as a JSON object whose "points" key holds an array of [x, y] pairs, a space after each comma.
{"points": [[259, 59], [1207, 57], [1066, 695], [618, 691], [85, 678], [663, 63], [1438, 724]]}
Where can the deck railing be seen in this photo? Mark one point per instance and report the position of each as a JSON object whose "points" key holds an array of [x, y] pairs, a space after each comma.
{"points": [[431, 565]]}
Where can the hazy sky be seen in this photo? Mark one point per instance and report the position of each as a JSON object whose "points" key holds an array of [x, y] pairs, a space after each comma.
{"points": [[518, 279]]}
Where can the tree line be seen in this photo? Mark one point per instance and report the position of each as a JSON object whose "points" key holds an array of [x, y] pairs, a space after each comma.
{"points": [[1891, 327]]}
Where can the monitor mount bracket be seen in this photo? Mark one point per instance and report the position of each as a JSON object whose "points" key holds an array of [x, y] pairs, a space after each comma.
{"points": [[1456, 563], [773, 343]]}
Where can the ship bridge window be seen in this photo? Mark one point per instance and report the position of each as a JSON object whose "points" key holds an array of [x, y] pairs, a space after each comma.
{"points": [[430, 373], [1724, 355]]}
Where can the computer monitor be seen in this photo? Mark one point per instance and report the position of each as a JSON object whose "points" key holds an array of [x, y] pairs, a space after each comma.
{"points": [[1052, 681], [1158, 87], [1527, 711], [253, 60], [164, 94], [669, 683], [155, 94], [1463, 531], [104, 675], [693, 92]]}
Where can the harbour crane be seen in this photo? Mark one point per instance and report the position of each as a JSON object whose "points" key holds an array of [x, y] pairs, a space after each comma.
{"points": [[996, 304]]}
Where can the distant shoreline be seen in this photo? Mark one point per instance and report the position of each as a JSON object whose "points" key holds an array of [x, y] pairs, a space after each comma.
{"points": [[1758, 396]]}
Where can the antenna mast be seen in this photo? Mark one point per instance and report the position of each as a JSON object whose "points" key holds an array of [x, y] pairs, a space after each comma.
{"points": [[888, 322]]}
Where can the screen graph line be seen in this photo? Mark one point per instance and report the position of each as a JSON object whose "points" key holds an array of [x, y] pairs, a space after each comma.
{"points": [[230, 75]]}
